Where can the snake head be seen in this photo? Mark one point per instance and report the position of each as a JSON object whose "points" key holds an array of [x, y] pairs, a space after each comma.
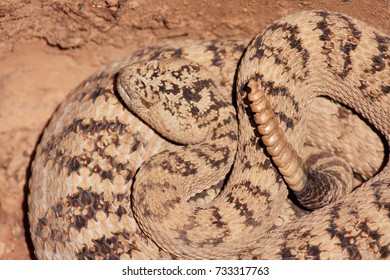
{"points": [[174, 96]]}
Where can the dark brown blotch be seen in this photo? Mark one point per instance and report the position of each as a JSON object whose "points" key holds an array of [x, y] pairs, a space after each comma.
{"points": [[108, 248], [97, 93], [273, 90], [287, 120], [243, 210], [74, 165], [121, 211], [107, 174], [286, 253], [88, 202], [218, 222], [314, 252], [323, 26]]}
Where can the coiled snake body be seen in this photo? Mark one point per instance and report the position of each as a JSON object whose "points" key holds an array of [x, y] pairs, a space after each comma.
{"points": [[106, 185]]}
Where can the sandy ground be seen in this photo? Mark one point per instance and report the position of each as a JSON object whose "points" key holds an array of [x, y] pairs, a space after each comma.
{"points": [[48, 47]]}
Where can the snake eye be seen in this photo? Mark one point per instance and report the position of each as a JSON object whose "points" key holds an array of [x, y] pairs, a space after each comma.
{"points": [[149, 96]]}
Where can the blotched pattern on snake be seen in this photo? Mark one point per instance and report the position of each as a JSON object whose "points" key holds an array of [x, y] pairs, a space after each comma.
{"points": [[150, 159]]}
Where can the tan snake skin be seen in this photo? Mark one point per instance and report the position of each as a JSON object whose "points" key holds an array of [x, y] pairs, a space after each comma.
{"points": [[105, 185]]}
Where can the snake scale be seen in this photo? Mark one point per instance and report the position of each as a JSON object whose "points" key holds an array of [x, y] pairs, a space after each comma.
{"points": [[153, 157]]}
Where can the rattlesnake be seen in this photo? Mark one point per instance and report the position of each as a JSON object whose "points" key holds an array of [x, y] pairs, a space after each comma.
{"points": [[88, 199]]}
